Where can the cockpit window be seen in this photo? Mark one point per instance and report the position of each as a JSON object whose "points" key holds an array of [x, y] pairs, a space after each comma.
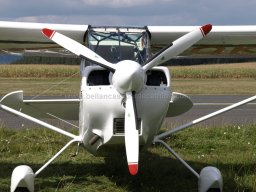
{"points": [[116, 44]]}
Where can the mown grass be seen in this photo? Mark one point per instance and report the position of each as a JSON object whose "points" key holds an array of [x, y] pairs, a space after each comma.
{"points": [[39, 71], [215, 71], [41, 87], [71, 86], [63, 79], [210, 71], [231, 149], [215, 86]]}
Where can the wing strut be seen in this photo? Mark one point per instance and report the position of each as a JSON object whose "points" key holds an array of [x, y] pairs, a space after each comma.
{"points": [[204, 118], [37, 121]]}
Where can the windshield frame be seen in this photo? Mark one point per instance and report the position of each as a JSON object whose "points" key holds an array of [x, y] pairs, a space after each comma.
{"points": [[120, 43]]}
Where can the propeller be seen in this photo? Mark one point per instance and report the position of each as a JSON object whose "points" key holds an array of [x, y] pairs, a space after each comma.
{"points": [[131, 133], [178, 46], [129, 78], [78, 49]]}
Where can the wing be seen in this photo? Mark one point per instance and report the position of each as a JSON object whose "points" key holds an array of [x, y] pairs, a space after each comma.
{"points": [[222, 40], [20, 37], [67, 109]]}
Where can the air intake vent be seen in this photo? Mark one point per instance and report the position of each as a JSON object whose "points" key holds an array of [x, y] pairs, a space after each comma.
{"points": [[119, 126]]}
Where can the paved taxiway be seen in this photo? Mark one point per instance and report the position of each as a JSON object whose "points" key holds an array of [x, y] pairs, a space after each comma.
{"points": [[203, 105]]}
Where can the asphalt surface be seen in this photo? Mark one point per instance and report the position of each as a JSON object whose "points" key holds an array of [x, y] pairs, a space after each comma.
{"points": [[206, 104], [203, 105]]}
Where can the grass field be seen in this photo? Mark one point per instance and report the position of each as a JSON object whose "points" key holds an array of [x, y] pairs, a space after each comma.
{"points": [[215, 71], [230, 149], [71, 87], [212, 71], [38, 71], [65, 80]]}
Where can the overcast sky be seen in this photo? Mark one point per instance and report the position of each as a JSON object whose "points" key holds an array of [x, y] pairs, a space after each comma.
{"points": [[131, 12]]}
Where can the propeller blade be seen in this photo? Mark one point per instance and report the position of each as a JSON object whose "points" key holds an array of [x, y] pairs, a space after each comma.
{"points": [[78, 49], [178, 46], [131, 134]]}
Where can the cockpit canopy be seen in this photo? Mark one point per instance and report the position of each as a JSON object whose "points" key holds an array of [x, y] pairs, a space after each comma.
{"points": [[120, 43]]}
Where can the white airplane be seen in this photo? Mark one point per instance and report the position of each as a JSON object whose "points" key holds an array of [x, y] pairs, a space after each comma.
{"points": [[125, 94]]}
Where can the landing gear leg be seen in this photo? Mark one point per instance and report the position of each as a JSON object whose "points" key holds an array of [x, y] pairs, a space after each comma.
{"points": [[209, 179], [23, 176]]}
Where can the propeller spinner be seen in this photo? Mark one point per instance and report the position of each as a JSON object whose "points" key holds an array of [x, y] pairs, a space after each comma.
{"points": [[129, 79]]}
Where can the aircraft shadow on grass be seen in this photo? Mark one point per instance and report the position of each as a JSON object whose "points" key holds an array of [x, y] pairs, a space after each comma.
{"points": [[156, 173]]}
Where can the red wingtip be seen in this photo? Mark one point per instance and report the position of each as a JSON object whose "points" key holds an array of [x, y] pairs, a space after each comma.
{"points": [[206, 28], [133, 168], [48, 32]]}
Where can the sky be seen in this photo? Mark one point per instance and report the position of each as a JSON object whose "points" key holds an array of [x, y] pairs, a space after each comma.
{"points": [[131, 12]]}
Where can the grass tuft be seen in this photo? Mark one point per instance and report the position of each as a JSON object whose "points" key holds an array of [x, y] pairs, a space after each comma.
{"points": [[230, 149]]}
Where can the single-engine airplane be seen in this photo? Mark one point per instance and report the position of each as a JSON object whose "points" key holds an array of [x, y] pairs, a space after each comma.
{"points": [[125, 94]]}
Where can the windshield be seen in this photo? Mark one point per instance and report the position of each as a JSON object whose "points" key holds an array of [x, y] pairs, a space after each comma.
{"points": [[117, 44]]}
